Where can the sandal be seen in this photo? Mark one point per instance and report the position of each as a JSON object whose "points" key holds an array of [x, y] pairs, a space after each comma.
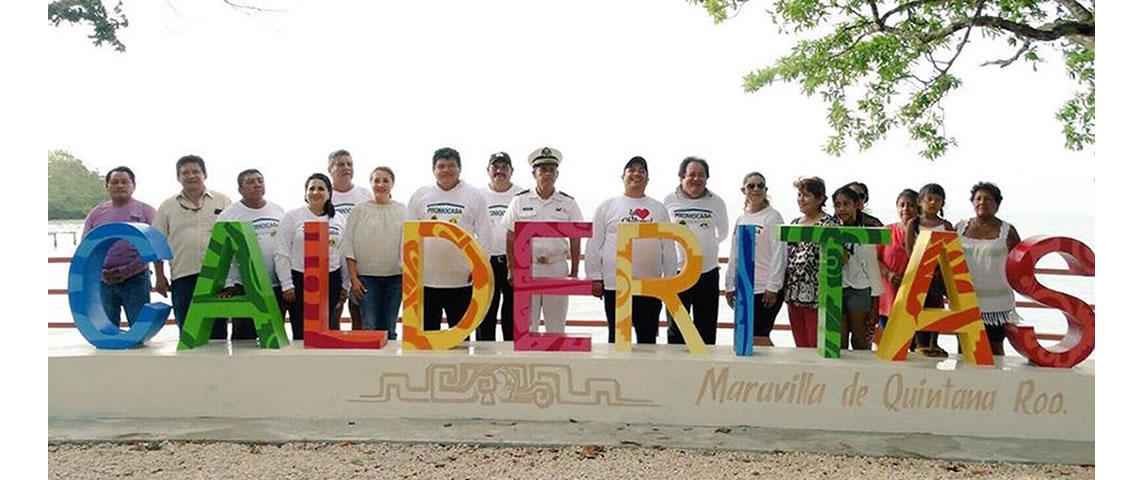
{"points": [[933, 351]]}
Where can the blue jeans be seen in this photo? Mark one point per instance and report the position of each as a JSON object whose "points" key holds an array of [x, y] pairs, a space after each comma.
{"points": [[130, 295], [181, 294], [381, 303]]}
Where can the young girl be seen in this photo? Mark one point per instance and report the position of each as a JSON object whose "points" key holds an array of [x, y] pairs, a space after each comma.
{"points": [[893, 258], [770, 259], [861, 282], [931, 198]]}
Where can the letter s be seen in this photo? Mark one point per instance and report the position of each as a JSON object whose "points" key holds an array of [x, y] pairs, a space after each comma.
{"points": [[1078, 342]]}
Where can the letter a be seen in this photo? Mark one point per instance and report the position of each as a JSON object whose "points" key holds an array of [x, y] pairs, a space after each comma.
{"points": [[964, 318], [233, 241]]}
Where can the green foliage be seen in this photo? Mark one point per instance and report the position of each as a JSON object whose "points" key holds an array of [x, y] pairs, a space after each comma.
{"points": [[73, 190], [105, 26], [881, 65]]}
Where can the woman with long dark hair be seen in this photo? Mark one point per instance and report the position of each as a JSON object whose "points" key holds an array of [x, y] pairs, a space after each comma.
{"points": [[290, 255], [931, 199]]}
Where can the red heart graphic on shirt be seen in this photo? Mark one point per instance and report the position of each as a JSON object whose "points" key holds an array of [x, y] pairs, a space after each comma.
{"points": [[641, 213]]}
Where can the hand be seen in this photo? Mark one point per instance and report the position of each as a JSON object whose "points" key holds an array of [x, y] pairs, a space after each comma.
{"points": [[358, 289], [289, 295], [846, 256], [895, 279], [768, 299], [341, 300], [111, 276], [596, 288], [229, 292], [161, 286], [730, 297]]}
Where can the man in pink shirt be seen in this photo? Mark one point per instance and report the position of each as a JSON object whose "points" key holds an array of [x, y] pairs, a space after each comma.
{"points": [[126, 278]]}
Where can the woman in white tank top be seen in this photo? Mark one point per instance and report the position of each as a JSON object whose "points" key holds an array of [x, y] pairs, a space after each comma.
{"points": [[987, 241]]}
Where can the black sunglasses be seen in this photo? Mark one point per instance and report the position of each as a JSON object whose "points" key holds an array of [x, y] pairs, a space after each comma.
{"points": [[755, 186]]}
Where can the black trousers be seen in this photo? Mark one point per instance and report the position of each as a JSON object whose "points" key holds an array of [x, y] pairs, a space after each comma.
{"points": [[297, 309], [646, 315], [503, 289], [437, 301], [702, 301]]}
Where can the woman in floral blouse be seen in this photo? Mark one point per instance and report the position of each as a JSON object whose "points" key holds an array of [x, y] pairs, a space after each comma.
{"points": [[801, 282]]}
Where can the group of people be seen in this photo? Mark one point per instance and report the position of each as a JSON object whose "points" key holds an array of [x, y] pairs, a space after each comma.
{"points": [[365, 233]]}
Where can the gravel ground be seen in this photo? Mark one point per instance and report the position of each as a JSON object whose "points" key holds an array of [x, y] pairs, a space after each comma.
{"points": [[185, 460]]}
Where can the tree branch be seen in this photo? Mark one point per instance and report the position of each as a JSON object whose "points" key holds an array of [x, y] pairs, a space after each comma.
{"points": [[1042, 33], [1009, 61]]}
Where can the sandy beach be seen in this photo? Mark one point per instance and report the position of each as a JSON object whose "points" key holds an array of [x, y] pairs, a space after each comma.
{"points": [[187, 460]]}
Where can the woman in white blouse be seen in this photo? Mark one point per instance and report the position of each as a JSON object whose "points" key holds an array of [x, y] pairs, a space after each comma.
{"points": [[371, 246], [771, 258], [289, 258]]}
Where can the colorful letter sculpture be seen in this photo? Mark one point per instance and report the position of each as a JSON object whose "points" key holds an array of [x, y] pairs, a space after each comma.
{"points": [[1078, 342], [526, 285], [665, 289], [233, 241], [964, 318], [482, 284], [316, 308], [745, 290], [831, 240], [84, 285]]}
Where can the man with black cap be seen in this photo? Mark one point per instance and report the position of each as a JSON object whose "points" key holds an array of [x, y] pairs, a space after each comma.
{"points": [[498, 195], [447, 276], [652, 258], [544, 203]]}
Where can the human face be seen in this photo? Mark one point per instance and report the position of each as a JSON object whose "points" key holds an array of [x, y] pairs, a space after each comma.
{"points": [[755, 189], [252, 188], [382, 184], [316, 193], [341, 170], [545, 175], [985, 204], [907, 208], [845, 209], [500, 172], [693, 183], [446, 172], [809, 204], [120, 187], [635, 178], [192, 177], [932, 204]]}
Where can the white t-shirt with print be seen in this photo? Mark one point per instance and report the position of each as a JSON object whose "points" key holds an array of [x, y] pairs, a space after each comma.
{"points": [[651, 257], [264, 221], [463, 205], [497, 203]]}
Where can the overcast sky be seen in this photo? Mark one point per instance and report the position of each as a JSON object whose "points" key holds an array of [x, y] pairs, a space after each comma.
{"points": [[600, 80]]}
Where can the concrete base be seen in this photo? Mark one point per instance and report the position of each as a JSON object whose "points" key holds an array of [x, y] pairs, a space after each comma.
{"points": [[785, 389]]}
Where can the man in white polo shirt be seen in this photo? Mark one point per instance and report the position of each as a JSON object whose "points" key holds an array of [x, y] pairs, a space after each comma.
{"points": [[187, 221], [263, 216], [447, 275], [544, 203], [346, 195], [498, 195]]}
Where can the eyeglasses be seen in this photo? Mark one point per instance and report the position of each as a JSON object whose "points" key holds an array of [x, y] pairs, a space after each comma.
{"points": [[755, 186]]}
